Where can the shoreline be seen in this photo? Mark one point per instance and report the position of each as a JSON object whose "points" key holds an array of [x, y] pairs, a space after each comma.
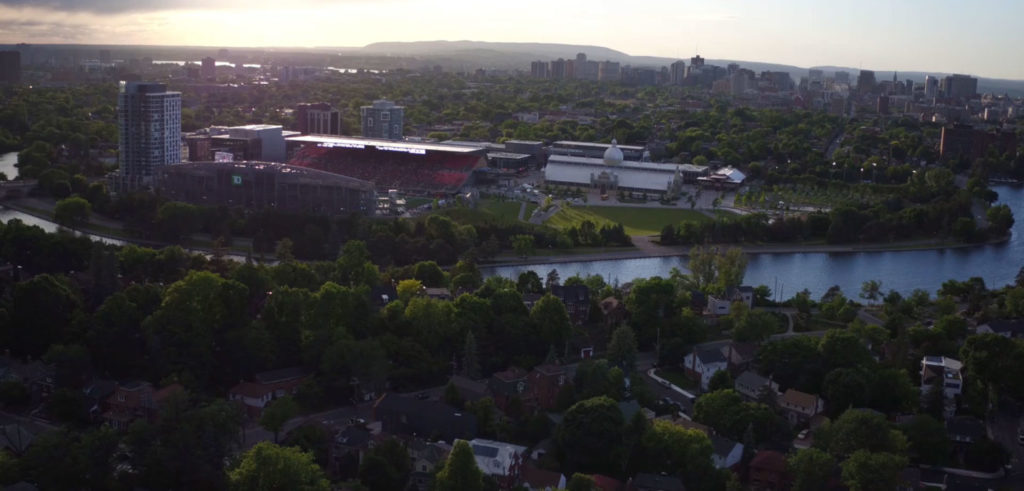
{"points": [[752, 249]]}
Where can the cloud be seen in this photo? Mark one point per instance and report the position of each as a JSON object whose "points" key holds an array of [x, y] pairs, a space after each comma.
{"points": [[53, 31], [121, 6]]}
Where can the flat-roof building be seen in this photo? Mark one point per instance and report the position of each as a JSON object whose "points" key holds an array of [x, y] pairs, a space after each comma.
{"points": [[613, 172], [383, 119], [259, 185]]}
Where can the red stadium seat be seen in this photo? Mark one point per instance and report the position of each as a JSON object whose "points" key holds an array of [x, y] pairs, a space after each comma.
{"points": [[434, 172]]}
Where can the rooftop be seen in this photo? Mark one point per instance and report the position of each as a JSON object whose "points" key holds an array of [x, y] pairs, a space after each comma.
{"points": [[379, 144]]}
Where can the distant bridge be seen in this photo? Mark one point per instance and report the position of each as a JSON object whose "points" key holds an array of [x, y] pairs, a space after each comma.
{"points": [[16, 189]]}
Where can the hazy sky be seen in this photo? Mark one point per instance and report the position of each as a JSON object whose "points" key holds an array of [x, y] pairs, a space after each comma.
{"points": [[980, 37]]}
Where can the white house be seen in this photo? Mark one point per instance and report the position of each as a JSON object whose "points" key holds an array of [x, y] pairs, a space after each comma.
{"points": [[496, 458], [702, 365], [947, 368], [800, 406], [725, 452], [751, 385], [722, 304]]}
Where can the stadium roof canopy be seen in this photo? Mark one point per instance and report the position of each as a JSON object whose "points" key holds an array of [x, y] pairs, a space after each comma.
{"points": [[380, 144]]}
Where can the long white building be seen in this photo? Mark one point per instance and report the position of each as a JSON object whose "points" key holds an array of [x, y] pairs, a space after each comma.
{"points": [[149, 121], [613, 173]]}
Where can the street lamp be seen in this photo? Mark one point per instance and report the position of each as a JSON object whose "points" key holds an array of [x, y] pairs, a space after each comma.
{"points": [[874, 170]]}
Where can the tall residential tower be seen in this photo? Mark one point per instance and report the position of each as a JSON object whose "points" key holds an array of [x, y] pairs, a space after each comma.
{"points": [[383, 120], [149, 120]]}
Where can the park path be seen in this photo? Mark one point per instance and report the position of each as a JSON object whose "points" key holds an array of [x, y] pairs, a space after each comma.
{"points": [[522, 211]]}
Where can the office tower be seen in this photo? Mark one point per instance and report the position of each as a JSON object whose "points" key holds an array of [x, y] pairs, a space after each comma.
{"points": [[960, 87], [678, 72], [317, 119], [149, 120], [539, 69], [557, 69], [909, 86], [866, 82], [883, 104], [10, 67], [731, 68], [842, 77], [209, 68], [697, 61], [931, 87], [609, 71], [383, 119]]}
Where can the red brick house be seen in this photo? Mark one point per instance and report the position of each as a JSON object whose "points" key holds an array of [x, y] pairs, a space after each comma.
{"points": [[506, 385], [136, 400], [767, 471], [267, 386], [543, 385]]}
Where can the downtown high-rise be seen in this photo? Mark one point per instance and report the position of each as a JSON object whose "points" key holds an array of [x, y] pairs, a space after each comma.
{"points": [[149, 121]]}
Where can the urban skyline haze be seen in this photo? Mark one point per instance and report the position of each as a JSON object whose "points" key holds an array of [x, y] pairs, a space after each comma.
{"points": [[980, 38]]}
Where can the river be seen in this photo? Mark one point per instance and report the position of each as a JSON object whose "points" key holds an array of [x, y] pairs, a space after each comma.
{"points": [[8, 164], [786, 274]]}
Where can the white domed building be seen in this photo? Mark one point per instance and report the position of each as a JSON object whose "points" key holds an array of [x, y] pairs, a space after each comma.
{"points": [[576, 164]]}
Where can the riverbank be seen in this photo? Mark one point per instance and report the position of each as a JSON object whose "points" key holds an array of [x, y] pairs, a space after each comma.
{"points": [[645, 248]]}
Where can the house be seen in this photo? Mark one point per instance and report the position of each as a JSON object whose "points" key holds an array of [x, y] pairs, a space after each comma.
{"points": [[1007, 328], [800, 407], [529, 299], [346, 451], [96, 393], [134, 400], [266, 387], [725, 453], [382, 295], [543, 385], [426, 419], [576, 299], [655, 482], [965, 430], [948, 370], [605, 483], [536, 479], [36, 376], [722, 304], [739, 355], [752, 386], [702, 364], [506, 385], [469, 390], [426, 457], [497, 459], [15, 438], [438, 293], [767, 471]]}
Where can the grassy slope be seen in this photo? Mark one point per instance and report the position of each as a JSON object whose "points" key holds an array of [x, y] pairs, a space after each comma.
{"points": [[638, 221]]}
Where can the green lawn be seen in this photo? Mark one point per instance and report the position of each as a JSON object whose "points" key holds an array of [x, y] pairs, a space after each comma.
{"points": [[678, 378], [411, 203], [505, 209], [637, 221]]}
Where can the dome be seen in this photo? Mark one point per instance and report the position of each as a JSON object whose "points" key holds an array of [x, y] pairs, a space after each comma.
{"points": [[613, 156]]}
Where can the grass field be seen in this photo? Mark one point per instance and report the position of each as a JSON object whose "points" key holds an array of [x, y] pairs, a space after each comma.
{"points": [[637, 221], [505, 209]]}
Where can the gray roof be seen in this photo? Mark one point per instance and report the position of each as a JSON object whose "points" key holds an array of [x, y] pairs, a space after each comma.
{"points": [[722, 446], [712, 355], [751, 378]]}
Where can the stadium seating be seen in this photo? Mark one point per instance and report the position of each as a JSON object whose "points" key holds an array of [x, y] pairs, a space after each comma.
{"points": [[434, 172]]}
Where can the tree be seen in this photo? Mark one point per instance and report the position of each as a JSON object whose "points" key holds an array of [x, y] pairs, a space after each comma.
{"points": [[72, 211], [551, 280], [523, 245], [580, 482], [590, 435], [429, 273], [269, 467], [42, 309], [386, 466], [460, 472], [928, 440], [470, 358], [622, 349], [720, 380], [529, 282], [811, 469], [843, 349], [857, 430], [551, 320], [407, 289], [277, 413], [869, 471], [870, 290], [667, 447]]}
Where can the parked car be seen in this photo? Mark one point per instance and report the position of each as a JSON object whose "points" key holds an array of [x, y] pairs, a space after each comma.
{"points": [[423, 396]]}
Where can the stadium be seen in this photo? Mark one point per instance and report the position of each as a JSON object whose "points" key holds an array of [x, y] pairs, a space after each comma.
{"points": [[258, 185], [410, 167]]}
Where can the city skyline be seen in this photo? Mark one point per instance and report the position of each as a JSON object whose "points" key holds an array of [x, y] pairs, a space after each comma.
{"points": [[882, 35]]}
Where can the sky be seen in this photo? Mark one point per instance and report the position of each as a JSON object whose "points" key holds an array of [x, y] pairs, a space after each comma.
{"points": [[978, 37]]}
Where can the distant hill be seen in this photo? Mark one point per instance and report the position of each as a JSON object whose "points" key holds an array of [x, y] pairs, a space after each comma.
{"points": [[517, 56]]}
